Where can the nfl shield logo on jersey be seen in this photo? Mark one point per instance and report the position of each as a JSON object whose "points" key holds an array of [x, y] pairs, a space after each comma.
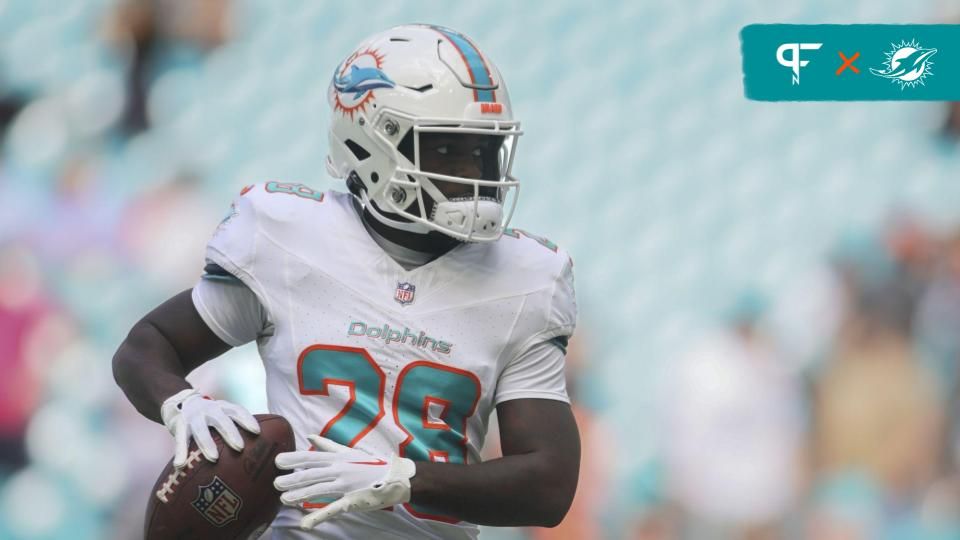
{"points": [[405, 292], [218, 503]]}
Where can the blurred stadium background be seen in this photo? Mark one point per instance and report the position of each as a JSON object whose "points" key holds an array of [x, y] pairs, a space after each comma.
{"points": [[770, 293]]}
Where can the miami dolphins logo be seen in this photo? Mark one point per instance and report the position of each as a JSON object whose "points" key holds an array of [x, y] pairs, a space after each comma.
{"points": [[907, 64], [355, 80]]}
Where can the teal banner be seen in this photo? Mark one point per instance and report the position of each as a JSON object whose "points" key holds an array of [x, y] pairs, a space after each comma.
{"points": [[858, 62]]}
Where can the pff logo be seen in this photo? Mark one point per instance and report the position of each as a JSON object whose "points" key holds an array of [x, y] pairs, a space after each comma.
{"points": [[794, 62]]}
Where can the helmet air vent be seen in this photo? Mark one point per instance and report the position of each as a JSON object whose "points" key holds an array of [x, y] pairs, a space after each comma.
{"points": [[420, 89], [358, 151]]}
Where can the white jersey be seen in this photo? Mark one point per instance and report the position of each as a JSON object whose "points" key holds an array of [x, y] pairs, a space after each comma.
{"points": [[371, 355]]}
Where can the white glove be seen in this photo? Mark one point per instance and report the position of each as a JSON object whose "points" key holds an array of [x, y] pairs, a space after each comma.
{"points": [[188, 414], [361, 481]]}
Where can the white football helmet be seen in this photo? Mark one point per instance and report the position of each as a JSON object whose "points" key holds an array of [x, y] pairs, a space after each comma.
{"points": [[410, 80]]}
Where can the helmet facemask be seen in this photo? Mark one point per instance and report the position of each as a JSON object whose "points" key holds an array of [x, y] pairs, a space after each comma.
{"points": [[472, 204]]}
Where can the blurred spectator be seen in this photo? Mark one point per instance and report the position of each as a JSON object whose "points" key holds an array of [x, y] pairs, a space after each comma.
{"points": [[166, 229], [24, 307], [147, 29], [877, 287], [938, 333], [10, 106], [79, 216], [912, 250], [732, 431], [808, 314], [846, 506], [877, 421]]}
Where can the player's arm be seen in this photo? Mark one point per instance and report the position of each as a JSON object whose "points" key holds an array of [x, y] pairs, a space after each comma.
{"points": [[161, 349], [531, 485], [151, 366]]}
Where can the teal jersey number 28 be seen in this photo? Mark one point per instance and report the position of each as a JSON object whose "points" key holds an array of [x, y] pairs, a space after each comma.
{"points": [[431, 405]]}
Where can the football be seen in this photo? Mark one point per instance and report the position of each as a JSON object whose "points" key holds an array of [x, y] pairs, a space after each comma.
{"points": [[233, 498]]}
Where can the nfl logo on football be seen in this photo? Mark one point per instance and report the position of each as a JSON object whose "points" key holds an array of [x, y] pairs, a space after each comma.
{"points": [[218, 503], [405, 292]]}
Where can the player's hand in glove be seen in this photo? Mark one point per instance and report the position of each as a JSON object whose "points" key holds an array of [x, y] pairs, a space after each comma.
{"points": [[190, 415], [362, 482]]}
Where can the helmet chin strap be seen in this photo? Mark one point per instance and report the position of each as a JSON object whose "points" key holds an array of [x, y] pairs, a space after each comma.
{"points": [[463, 219], [485, 221], [432, 241], [384, 217]]}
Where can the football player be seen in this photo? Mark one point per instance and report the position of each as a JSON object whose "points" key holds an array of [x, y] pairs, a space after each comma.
{"points": [[392, 320]]}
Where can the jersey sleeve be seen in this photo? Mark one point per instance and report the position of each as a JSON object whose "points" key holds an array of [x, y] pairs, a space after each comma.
{"points": [[234, 243], [536, 373], [230, 308], [537, 370]]}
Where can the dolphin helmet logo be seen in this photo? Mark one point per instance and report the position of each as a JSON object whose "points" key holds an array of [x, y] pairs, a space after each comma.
{"points": [[907, 64], [360, 80], [355, 80]]}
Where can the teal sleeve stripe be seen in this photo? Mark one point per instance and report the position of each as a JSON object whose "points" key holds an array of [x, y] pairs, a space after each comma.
{"points": [[561, 342], [215, 272], [222, 279]]}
